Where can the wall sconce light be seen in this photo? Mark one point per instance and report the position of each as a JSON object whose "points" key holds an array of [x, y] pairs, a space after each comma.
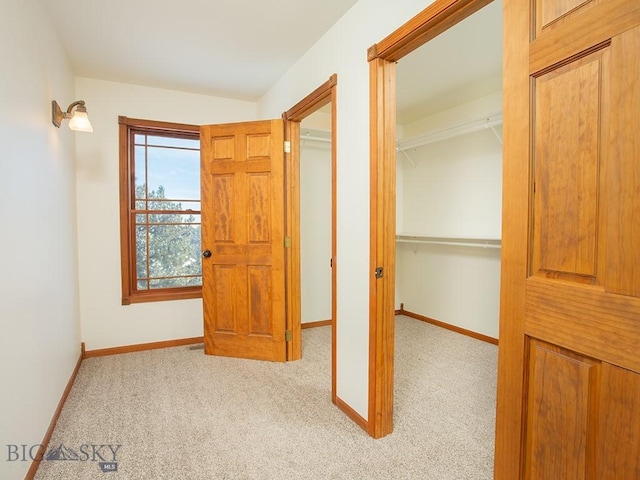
{"points": [[78, 119]]}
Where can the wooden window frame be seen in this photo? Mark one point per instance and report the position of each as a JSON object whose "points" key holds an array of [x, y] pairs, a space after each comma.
{"points": [[127, 248]]}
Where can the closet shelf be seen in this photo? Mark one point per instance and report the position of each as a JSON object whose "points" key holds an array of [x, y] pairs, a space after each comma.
{"points": [[314, 136], [456, 241], [314, 139], [443, 134]]}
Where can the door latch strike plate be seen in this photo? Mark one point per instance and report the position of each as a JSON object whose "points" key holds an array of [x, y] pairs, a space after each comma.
{"points": [[379, 272]]}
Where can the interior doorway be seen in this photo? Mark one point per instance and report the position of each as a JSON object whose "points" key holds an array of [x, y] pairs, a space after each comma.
{"points": [[383, 56], [449, 177], [322, 100]]}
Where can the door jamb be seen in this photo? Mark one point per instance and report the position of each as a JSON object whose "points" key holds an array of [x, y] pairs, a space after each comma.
{"points": [[321, 96], [382, 56]]}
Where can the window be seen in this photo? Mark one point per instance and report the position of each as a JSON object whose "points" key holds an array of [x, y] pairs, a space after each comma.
{"points": [[159, 211]]}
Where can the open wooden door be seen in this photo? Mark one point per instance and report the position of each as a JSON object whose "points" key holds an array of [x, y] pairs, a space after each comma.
{"points": [[243, 239], [569, 356]]}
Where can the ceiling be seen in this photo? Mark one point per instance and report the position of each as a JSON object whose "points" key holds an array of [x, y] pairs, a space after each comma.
{"points": [[240, 48], [459, 65], [230, 48]]}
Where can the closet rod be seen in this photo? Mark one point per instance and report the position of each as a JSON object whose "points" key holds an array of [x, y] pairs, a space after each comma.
{"points": [[450, 132], [462, 242]]}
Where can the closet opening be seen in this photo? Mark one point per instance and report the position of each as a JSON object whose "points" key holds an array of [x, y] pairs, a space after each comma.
{"points": [[449, 177], [436, 182]]}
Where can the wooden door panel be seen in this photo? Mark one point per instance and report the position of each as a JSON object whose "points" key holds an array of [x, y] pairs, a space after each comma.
{"points": [[222, 188], [570, 104], [619, 448], [258, 146], [222, 148], [258, 216], [549, 11], [623, 215], [259, 300], [243, 228], [223, 282], [583, 419], [563, 389]]}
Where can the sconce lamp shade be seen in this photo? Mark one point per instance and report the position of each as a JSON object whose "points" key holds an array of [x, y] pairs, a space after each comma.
{"points": [[80, 121], [78, 118]]}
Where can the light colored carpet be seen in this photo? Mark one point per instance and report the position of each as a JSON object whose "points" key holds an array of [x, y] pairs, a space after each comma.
{"points": [[179, 414]]}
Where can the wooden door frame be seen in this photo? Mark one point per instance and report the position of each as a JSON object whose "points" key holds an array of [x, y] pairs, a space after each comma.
{"points": [[516, 183], [382, 56], [321, 96]]}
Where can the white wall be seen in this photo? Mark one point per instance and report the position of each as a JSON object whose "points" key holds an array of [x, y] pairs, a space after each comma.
{"points": [[343, 50], [456, 285], [315, 230], [39, 324], [105, 322], [454, 190]]}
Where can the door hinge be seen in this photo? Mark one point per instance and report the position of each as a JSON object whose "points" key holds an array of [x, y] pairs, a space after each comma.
{"points": [[288, 335], [287, 146], [287, 242]]}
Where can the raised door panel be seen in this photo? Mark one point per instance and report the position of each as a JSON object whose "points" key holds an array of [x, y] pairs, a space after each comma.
{"points": [[224, 283], [623, 173], [550, 11], [570, 105], [619, 424], [583, 417], [258, 216], [260, 299], [222, 187], [563, 389]]}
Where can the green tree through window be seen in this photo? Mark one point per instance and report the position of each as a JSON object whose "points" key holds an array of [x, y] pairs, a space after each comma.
{"points": [[167, 243]]}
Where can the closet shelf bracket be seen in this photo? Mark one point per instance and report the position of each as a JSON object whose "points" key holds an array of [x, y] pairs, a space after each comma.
{"points": [[495, 132], [411, 160]]}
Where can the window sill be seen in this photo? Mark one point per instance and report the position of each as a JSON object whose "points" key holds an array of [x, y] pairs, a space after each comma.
{"points": [[162, 296]]}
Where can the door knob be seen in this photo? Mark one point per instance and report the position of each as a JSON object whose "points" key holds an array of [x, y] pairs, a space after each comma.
{"points": [[206, 253]]}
